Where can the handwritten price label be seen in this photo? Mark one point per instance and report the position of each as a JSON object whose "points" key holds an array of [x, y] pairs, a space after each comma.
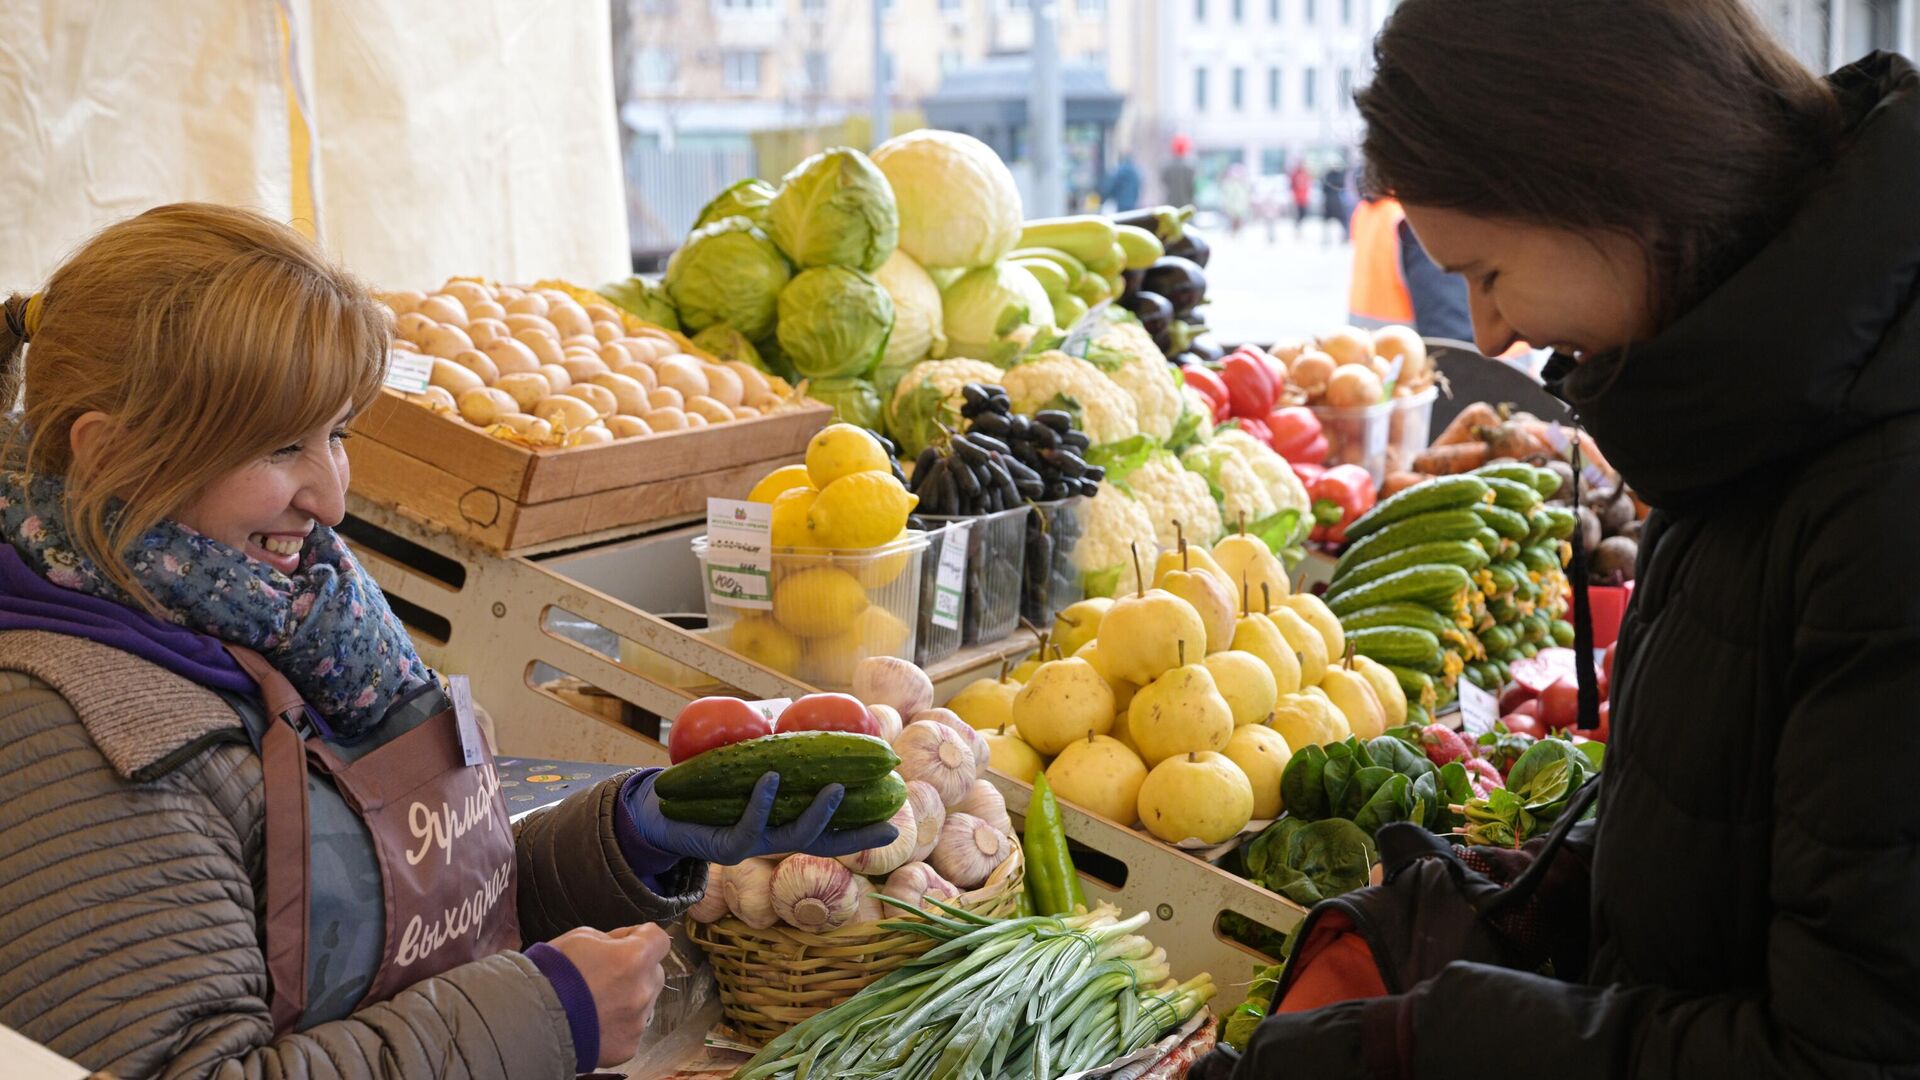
{"points": [[740, 554]]}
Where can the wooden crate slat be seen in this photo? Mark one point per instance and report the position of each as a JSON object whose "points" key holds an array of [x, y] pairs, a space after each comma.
{"points": [[430, 495], [482, 460], [589, 469]]}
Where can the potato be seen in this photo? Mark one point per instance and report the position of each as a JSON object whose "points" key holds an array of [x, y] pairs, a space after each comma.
{"points": [[575, 352], [602, 399], [607, 332], [566, 412], [444, 309], [581, 341], [436, 398], [745, 412], [456, 379], [766, 403], [485, 309], [667, 419], [532, 427], [723, 386], [695, 420], [570, 318], [526, 387], [401, 344], [628, 395], [404, 302], [505, 293], [479, 363], [519, 323], [626, 427], [714, 411], [485, 332], [413, 326], [666, 397], [591, 435], [510, 356], [581, 368], [545, 348], [753, 383], [606, 313], [612, 356], [683, 374], [486, 405], [468, 293], [557, 376], [553, 296], [446, 340], [654, 333], [638, 372], [528, 304], [646, 350]]}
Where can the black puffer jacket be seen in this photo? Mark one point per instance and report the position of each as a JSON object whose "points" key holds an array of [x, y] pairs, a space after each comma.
{"points": [[1756, 875]]}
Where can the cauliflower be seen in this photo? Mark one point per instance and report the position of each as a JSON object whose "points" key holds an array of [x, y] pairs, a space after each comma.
{"points": [[1196, 420], [1126, 352], [1272, 469], [1243, 496], [1056, 380], [928, 395], [1112, 523], [1172, 494]]}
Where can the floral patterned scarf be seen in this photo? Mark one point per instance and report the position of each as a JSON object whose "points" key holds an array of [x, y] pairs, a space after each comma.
{"points": [[326, 627]]}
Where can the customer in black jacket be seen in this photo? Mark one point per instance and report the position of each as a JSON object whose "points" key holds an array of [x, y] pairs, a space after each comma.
{"points": [[1725, 251]]}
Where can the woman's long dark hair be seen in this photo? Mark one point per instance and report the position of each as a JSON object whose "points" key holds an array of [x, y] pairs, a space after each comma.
{"points": [[1679, 123]]}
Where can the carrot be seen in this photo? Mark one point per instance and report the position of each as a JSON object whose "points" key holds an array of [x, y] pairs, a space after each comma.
{"points": [[1452, 459], [1463, 428], [1397, 482]]}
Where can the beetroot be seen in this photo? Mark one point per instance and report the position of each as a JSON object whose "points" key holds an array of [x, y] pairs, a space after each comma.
{"points": [[1443, 744]]}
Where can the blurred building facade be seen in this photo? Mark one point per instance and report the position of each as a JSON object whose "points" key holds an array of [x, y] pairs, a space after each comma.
{"points": [[1826, 34]]}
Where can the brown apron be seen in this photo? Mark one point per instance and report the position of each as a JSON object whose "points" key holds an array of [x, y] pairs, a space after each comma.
{"points": [[440, 835]]}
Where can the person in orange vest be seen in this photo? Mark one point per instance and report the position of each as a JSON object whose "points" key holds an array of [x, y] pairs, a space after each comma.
{"points": [[1394, 282]]}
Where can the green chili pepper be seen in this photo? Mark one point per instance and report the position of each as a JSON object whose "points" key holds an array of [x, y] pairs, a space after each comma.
{"points": [[1050, 875]]}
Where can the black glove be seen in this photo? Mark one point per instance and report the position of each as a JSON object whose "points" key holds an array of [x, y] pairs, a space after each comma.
{"points": [[1353, 1040]]}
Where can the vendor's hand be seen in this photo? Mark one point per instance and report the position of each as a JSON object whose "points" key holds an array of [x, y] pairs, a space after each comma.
{"points": [[623, 971], [750, 837]]}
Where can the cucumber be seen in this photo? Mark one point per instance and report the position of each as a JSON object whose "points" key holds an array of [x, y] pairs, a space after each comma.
{"points": [[864, 804], [1434, 585], [1417, 714], [1402, 645], [1499, 639], [1440, 493], [1529, 650], [1142, 247], [806, 761], [1464, 554], [1475, 677], [1502, 579], [1517, 471], [1488, 540], [1509, 525], [1515, 496], [1541, 558], [1425, 529], [1503, 610], [1417, 685], [1560, 521], [1419, 616]]}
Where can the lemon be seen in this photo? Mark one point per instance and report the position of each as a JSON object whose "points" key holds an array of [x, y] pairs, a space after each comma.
{"points": [[862, 510], [819, 602], [784, 478], [760, 639], [880, 632], [790, 517], [839, 450], [830, 660], [875, 571]]}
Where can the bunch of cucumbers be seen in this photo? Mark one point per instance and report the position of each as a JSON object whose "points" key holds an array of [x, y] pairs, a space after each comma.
{"points": [[1457, 576], [712, 788]]}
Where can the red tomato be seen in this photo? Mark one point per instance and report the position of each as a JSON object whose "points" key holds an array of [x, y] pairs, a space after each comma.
{"points": [[1522, 724], [711, 722], [1560, 704], [1250, 389], [1513, 696], [828, 712]]}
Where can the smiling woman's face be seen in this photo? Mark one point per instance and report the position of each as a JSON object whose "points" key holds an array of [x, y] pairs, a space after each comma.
{"points": [[1580, 293], [265, 508]]}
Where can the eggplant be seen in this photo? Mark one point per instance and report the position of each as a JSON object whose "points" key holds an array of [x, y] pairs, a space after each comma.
{"points": [[1182, 282], [1186, 358], [1192, 245], [1206, 348], [1194, 318], [1154, 311], [1130, 284]]}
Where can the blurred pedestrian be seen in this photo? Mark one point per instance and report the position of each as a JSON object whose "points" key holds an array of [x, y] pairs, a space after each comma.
{"points": [[1122, 188], [1333, 201], [1236, 197], [1302, 183], [1177, 177]]}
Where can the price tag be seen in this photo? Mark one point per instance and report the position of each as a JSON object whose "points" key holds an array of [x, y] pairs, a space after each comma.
{"points": [[408, 372], [1479, 710], [949, 587], [740, 553], [463, 719]]}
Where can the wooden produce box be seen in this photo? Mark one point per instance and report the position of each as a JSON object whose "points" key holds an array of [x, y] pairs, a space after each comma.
{"points": [[508, 498]]}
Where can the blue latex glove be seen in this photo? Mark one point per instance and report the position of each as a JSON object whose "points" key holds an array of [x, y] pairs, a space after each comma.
{"points": [[750, 836]]}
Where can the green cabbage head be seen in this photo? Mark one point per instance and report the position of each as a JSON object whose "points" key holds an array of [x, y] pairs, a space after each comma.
{"points": [[854, 401], [834, 322], [747, 198], [645, 297], [958, 202], [727, 272], [835, 209]]}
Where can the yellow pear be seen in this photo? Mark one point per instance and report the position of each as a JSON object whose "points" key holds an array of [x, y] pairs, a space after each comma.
{"points": [[1196, 796], [1306, 719], [1179, 712], [1064, 701], [1209, 599], [1355, 698], [1101, 775], [1393, 696], [1256, 634], [1025, 669], [1247, 684], [1262, 753], [1122, 733], [1143, 635], [1306, 641], [1248, 563], [1190, 557], [1010, 755], [1123, 690], [986, 704], [1079, 623], [1321, 618]]}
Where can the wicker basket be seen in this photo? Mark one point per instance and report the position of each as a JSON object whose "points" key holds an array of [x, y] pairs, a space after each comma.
{"points": [[772, 979]]}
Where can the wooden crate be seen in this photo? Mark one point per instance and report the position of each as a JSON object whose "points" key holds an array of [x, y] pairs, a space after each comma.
{"points": [[508, 498]]}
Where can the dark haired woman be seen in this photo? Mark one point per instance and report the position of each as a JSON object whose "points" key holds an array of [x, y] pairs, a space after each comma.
{"points": [[1725, 252]]}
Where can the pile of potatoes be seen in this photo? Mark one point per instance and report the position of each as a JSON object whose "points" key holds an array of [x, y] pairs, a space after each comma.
{"points": [[537, 367]]}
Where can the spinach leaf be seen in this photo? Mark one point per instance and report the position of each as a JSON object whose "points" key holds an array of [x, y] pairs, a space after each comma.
{"points": [[1389, 803], [1395, 754], [1302, 785], [1366, 784]]}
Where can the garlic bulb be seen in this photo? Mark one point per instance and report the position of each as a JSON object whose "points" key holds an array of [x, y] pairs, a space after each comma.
{"points": [[871, 909], [888, 680], [712, 905], [929, 813], [885, 860], [889, 720], [915, 881], [815, 894], [932, 752], [748, 889], [969, 850], [985, 802], [976, 742]]}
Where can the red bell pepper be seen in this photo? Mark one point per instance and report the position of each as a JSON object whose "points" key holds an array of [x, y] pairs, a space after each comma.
{"points": [[1308, 473], [1340, 496], [1210, 387], [1250, 387], [1296, 433], [1255, 428]]}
